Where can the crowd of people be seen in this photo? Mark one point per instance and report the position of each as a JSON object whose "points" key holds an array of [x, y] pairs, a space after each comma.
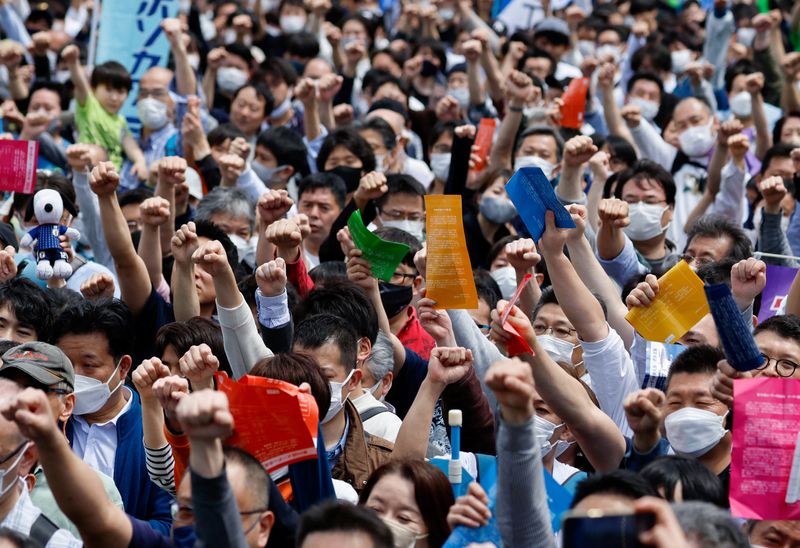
{"points": [[213, 238]]}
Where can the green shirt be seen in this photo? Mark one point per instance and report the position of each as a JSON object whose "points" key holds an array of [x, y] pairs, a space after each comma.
{"points": [[42, 497], [99, 127]]}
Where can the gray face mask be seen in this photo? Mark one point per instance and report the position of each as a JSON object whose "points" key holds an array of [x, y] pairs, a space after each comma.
{"points": [[266, 174], [497, 210]]}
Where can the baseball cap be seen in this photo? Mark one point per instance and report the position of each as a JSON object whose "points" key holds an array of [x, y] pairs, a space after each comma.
{"points": [[552, 26], [44, 363]]}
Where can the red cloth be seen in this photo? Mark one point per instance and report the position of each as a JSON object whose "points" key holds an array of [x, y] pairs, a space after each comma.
{"points": [[414, 337], [297, 274]]}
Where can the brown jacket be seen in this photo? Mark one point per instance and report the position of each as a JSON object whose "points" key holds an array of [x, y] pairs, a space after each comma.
{"points": [[363, 453]]}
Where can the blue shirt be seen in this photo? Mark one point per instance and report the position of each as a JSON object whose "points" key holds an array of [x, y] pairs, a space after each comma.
{"points": [[335, 454]]}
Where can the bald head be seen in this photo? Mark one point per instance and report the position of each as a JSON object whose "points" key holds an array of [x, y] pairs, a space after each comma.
{"points": [[156, 76], [691, 112]]}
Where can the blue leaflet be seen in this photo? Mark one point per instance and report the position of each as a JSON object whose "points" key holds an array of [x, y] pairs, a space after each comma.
{"points": [[737, 341], [533, 195]]}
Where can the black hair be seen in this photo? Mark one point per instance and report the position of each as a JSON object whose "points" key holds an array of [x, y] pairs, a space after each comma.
{"points": [[642, 6], [658, 54], [743, 11], [391, 234], [440, 129], [548, 297], [222, 133], [349, 138], [696, 480], [787, 327], [297, 368], [779, 150], [542, 130], [279, 69], [193, 332], [700, 359], [134, 196], [113, 75], [302, 44], [714, 273], [345, 300], [30, 304], [778, 128], [622, 483], [330, 181], [500, 245], [395, 56], [54, 86], [347, 518], [647, 170], [327, 272], [534, 52], [620, 30], [742, 66], [108, 317], [399, 183], [262, 92], [648, 76], [384, 130], [369, 26], [487, 288], [240, 50], [321, 329], [287, 147], [717, 226], [257, 480], [437, 49], [620, 148], [390, 104]]}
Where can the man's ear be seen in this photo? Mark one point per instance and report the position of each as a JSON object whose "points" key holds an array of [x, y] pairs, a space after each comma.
{"points": [[417, 284], [355, 380], [29, 459], [125, 366], [364, 349], [69, 405], [287, 172], [265, 527]]}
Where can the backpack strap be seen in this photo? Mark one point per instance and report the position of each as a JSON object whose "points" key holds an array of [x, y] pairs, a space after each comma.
{"points": [[375, 411], [43, 530]]}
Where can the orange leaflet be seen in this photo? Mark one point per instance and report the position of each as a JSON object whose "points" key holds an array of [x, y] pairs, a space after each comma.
{"points": [[574, 103], [449, 279], [483, 140], [273, 420]]}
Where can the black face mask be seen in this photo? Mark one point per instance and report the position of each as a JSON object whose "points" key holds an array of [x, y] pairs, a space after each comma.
{"points": [[350, 175], [395, 298], [428, 68]]}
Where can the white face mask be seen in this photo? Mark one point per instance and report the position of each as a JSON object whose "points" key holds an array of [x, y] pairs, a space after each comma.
{"points": [[265, 173], [246, 248], [194, 61], [586, 48], [62, 76], [558, 349], [645, 221], [742, 105], [534, 161], [229, 79], [440, 164], [379, 159], [91, 395], [415, 228], [292, 23], [697, 140], [10, 476], [337, 402], [648, 108], [381, 43], [402, 535], [680, 59], [609, 51], [461, 95], [281, 109], [506, 278], [694, 432], [544, 430], [562, 446], [745, 36], [376, 388], [151, 112]]}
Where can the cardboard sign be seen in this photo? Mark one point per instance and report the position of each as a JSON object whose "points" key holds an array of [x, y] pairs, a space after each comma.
{"points": [[383, 256], [18, 161], [483, 140], [532, 194], [573, 107], [449, 279], [773, 298], [273, 420], [679, 305], [766, 414]]}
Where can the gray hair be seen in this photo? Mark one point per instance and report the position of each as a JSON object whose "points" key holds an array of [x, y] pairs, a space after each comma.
{"points": [[381, 359], [230, 201], [707, 525]]}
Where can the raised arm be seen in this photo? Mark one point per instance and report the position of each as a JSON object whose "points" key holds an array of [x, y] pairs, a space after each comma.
{"points": [[519, 89], [577, 152], [131, 271], [472, 51], [185, 79], [148, 372], [185, 299], [306, 92], [754, 84], [154, 213], [171, 173], [71, 56]]}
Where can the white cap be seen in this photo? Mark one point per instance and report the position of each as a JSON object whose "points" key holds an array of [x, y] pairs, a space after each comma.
{"points": [[454, 417], [195, 184]]}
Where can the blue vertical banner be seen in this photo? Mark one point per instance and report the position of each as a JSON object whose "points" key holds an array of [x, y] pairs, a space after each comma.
{"points": [[130, 33]]}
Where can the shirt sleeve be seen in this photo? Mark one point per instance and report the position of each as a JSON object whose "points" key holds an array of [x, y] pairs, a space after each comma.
{"points": [[243, 345], [651, 145], [773, 240], [161, 467], [90, 215], [251, 185], [273, 311], [728, 201], [624, 266], [613, 376], [217, 518]]}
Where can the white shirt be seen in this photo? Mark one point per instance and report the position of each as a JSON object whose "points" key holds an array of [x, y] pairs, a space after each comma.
{"points": [[24, 514], [96, 444], [613, 376], [562, 472], [384, 425], [419, 170]]}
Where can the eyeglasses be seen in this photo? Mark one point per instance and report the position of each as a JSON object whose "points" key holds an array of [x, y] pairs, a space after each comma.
{"points": [[784, 368], [484, 328], [154, 93], [400, 278], [395, 215], [699, 261], [183, 513], [559, 332]]}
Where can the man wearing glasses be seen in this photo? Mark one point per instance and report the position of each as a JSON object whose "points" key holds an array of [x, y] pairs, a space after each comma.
{"points": [[45, 367]]}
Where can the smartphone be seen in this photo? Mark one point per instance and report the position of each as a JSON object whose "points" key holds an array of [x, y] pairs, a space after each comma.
{"points": [[605, 530]]}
